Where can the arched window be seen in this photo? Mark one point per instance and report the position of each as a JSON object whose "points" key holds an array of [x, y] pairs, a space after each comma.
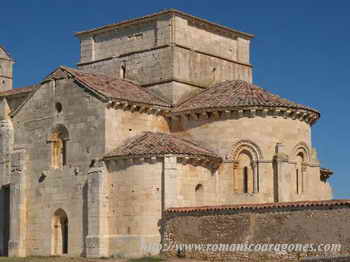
{"points": [[299, 176], [244, 175], [302, 156], [246, 156], [58, 140]]}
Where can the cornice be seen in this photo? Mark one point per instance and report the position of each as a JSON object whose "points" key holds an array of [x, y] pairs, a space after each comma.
{"points": [[305, 115], [200, 22], [194, 160]]}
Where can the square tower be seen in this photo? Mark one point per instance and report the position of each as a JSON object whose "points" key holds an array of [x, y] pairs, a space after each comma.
{"points": [[171, 53], [6, 65]]}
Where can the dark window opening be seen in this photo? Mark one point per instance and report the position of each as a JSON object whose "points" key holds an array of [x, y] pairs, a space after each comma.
{"points": [[4, 220], [65, 236], [245, 180], [64, 153], [198, 187], [122, 72], [58, 107], [297, 180]]}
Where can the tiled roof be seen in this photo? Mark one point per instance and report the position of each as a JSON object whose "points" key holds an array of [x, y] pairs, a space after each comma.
{"points": [[16, 91], [149, 143], [236, 94], [111, 87], [299, 204]]}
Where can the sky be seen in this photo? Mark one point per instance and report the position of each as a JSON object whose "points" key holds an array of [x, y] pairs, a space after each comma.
{"points": [[300, 52]]}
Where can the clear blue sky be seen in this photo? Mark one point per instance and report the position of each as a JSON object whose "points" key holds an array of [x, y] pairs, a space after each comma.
{"points": [[301, 51]]}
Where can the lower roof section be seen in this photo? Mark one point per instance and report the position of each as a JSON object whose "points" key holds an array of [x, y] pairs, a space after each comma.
{"points": [[262, 206], [148, 144]]}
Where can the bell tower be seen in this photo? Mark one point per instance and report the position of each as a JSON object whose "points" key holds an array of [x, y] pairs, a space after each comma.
{"points": [[6, 65]]}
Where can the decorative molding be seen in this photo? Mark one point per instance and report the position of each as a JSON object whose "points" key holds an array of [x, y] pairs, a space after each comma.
{"points": [[304, 115], [248, 145], [301, 147], [195, 160]]}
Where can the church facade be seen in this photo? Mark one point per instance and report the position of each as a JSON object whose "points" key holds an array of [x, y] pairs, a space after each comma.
{"points": [[160, 113]]}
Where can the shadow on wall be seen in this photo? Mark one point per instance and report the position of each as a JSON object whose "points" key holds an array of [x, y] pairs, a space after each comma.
{"points": [[85, 219], [4, 220]]}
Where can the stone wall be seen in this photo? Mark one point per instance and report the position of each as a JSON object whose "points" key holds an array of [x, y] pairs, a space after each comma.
{"points": [[141, 189], [49, 189], [145, 68], [121, 125], [227, 135], [205, 70], [196, 186], [280, 223], [135, 206], [167, 54], [127, 39]]}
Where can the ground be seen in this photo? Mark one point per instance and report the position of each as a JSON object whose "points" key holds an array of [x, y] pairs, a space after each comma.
{"points": [[71, 259]]}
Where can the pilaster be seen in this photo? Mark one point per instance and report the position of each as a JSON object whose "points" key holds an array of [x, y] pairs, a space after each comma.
{"points": [[281, 178], [97, 242], [169, 182], [18, 219]]}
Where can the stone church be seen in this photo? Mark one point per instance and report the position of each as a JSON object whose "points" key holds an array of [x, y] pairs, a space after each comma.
{"points": [[161, 112]]}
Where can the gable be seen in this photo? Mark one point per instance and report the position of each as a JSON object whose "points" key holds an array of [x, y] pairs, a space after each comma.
{"points": [[40, 104]]}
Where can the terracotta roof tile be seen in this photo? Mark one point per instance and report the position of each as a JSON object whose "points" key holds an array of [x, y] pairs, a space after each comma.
{"points": [[236, 93], [111, 87], [118, 88], [325, 203], [16, 91], [149, 143]]}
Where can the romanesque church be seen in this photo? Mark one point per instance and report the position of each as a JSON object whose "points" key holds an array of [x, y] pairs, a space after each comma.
{"points": [[161, 112]]}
